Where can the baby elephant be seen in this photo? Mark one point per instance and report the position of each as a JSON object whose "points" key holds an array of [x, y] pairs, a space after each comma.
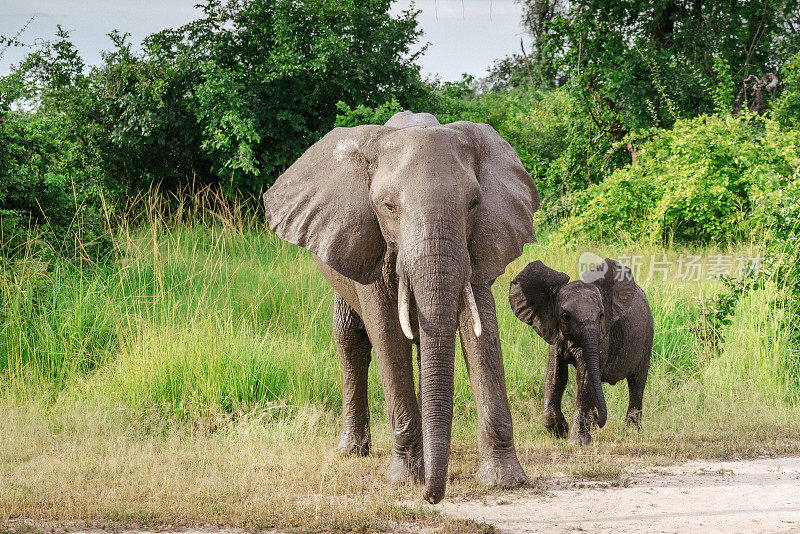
{"points": [[603, 326]]}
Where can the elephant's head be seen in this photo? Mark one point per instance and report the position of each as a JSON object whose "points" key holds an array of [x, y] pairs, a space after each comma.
{"points": [[579, 312], [451, 203]]}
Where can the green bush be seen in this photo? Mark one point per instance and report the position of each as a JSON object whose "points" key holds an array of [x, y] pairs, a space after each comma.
{"points": [[230, 99], [787, 109], [366, 115], [696, 183], [48, 193], [50, 179], [539, 125]]}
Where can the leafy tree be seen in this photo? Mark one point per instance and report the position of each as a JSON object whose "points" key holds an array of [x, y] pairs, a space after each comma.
{"points": [[536, 67], [49, 171], [787, 108], [230, 99], [240, 93], [508, 73], [704, 181], [655, 61], [632, 67]]}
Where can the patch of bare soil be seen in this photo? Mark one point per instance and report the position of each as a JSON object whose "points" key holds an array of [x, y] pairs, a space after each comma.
{"points": [[761, 495]]}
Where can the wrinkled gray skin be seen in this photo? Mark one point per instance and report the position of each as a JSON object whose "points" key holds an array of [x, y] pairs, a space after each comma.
{"points": [[411, 222], [604, 328]]}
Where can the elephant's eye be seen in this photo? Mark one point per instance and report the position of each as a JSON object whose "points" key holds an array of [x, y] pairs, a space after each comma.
{"points": [[601, 316], [565, 317], [388, 205], [474, 203]]}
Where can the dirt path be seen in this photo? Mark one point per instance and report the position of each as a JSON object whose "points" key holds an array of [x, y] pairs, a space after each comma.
{"points": [[746, 496], [760, 495]]}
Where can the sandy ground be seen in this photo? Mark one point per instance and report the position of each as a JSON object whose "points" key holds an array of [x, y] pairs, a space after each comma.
{"points": [[761, 495]]}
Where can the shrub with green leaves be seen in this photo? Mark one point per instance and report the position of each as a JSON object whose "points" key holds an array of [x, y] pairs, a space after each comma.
{"points": [[696, 183], [538, 125], [48, 190], [787, 109], [778, 212]]}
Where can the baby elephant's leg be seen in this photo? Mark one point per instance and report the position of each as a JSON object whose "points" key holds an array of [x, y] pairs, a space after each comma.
{"points": [[583, 419], [635, 393], [554, 383]]}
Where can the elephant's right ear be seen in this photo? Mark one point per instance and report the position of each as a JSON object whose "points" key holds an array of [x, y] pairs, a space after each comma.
{"points": [[532, 297], [321, 203], [616, 285]]}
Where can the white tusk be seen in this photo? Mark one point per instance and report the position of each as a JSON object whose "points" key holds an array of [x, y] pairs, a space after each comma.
{"points": [[403, 302], [469, 298]]}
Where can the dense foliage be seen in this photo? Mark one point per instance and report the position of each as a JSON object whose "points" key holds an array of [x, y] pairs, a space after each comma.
{"points": [[632, 66], [50, 172], [234, 97], [229, 100], [695, 183]]}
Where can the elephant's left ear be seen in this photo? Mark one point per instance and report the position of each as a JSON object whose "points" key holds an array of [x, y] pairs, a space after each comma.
{"points": [[616, 285], [503, 223]]}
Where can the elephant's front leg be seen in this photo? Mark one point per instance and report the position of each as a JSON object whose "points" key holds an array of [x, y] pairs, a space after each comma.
{"points": [[498, 457], [354, 349], [554, 383], [583, 418], [393, 353]]}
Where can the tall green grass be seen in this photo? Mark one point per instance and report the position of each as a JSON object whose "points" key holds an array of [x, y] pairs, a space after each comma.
{"points": [[204, 314]]}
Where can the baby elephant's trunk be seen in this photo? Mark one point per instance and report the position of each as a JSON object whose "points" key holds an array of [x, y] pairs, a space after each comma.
{"points": [[592, 363]]}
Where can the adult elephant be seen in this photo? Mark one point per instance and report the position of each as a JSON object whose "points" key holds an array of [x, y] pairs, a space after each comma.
{"points": [[411, 222]]}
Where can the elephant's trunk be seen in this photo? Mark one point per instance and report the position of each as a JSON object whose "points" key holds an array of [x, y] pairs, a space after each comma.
{"points": [[592, 362], [404, 307], [436, 378], [438, 271]]}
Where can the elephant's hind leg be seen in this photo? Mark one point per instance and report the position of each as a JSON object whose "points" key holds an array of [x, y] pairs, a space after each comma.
{"points": [[633, 418], [354, 349], [636, 384]]}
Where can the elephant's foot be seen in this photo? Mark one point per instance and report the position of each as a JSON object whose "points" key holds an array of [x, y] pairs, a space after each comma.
{"points": [[503, 471], [555, 423], [406, 468], [633, 420], [352, 443], [581, 426], [580, 438]]}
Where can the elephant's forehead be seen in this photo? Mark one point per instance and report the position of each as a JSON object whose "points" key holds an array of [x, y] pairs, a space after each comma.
{"points": [[430, 138], [426, 147], [578, 294]]}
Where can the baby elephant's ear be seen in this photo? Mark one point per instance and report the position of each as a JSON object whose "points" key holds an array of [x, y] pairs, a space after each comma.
{"points": [[532, 297], [617, 286]]}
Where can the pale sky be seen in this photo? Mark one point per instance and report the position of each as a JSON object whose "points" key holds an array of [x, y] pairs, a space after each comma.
{"points": [[465, 35]]}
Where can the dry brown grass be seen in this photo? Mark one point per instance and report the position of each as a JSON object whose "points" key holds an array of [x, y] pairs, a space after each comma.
{"points": [[72, 466]]}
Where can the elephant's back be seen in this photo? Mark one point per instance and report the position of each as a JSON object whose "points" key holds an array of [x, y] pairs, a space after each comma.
{"points": [[631, 340]]}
